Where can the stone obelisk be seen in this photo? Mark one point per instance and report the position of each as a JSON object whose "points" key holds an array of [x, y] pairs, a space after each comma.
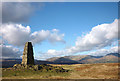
{"points": [[28, 57]]}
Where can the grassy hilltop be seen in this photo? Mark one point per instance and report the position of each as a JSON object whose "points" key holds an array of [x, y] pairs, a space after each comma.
{"points": [[77, 71]]}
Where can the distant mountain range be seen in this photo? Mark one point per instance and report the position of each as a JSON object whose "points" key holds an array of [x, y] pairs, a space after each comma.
{"points": [[86, 59], [79, 59]]}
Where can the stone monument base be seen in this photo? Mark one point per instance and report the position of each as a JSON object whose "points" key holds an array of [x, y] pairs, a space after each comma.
{"points": [[22, 66], [42, 67]]}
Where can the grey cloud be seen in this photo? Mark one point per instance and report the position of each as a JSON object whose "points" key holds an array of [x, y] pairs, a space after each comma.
{"points": [[18, 12], [10, 52]]}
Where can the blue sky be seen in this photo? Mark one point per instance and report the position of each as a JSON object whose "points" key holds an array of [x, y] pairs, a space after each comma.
{"points": [[73, 19]]}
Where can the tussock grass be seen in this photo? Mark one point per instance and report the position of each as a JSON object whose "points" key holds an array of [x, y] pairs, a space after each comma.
{"points": [[93, 71]]}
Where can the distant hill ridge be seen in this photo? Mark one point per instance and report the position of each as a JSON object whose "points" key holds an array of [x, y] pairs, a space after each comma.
{"points": [[114, 54], [78, 59], [86, 59]]}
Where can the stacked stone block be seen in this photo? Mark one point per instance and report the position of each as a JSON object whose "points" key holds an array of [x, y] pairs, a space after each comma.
{"points": [[28, 57]]}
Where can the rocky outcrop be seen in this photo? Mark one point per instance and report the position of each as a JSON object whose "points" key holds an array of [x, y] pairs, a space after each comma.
{"points": [[43, 67]]}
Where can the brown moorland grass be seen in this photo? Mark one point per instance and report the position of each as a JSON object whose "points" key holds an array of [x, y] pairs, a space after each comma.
{"points": [[93, 71]]}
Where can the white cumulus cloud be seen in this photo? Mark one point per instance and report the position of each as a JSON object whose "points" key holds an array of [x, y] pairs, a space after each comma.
{"points": [[55, 36], [17, 35], [102, 52], [39, 36], [100, 36]]}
